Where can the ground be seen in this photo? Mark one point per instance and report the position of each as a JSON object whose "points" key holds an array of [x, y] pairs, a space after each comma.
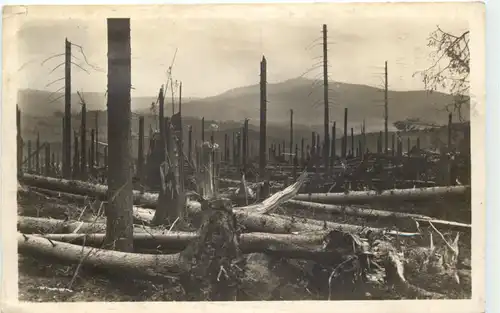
{"points": [[39, 276]]}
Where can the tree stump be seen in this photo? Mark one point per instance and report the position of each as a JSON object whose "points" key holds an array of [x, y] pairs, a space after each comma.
{"points": [[214, 262]]}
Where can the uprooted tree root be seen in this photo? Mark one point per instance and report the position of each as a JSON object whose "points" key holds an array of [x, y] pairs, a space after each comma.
{"points": [[214, 264]]}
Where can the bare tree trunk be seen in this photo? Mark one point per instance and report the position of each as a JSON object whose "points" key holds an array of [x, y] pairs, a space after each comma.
{"points": [[140, 151], [92, 152], [37, 158], [386, 112], [263, 117], [96, 157], [47, 160], [119, 208], [76, 159], [67, 113], [19, 143], [29, 157], [83, 142], [326, 122]]}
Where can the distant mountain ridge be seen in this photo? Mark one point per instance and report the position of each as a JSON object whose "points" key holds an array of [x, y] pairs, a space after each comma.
{"points": [[302, 95]]}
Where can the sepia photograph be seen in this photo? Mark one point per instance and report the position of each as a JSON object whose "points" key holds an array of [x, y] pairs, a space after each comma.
{"points": [[244, 152]]}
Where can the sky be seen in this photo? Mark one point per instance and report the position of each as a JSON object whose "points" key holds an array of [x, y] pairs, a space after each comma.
{"points": [[219, 48]]}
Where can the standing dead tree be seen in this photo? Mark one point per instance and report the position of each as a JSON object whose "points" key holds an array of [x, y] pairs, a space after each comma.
{"points": [[450, 69], [67, 112], [386, 112], [19, 142], [326, 116], [83, 137], [263, 117], [119, 209], [140, 151]]}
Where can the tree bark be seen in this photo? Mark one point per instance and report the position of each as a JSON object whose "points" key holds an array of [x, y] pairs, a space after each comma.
{"points": [[83, 188], [277, 224], [38, 225], [214, 261], [376, 214], [120, 170], [148, 264], [362, 197], [310, 246], [349, 210]]}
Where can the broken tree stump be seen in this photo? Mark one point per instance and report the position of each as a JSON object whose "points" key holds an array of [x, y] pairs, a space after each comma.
{"points": [[214, 259]]}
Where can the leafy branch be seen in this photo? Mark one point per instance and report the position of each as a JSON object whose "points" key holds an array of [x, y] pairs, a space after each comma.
{"points": [[450, 68]]}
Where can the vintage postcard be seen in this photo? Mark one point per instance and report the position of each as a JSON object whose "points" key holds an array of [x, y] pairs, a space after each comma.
{"points": [[285, 155]]}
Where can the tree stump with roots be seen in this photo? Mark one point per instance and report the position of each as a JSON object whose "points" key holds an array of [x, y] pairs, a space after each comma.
{"points": [[214, 262]]}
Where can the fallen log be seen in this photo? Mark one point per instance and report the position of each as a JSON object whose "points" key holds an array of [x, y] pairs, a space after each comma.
{"points": [[173, 240], [83, 188], [363, 197], [210, 263], [274, 223], [75, 189], [257, 223], [372, 213], [350, 210], [28, 207], [149, 264], [284, 245], [75, 198], [37, 225], [253, 222], [443, 223]]}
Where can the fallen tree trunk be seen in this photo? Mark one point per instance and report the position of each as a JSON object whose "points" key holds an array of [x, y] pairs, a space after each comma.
{"points": [[284, 245], [355, 211], [149, 264], [80, 199], [274, 223], [253, 222], [83, 188], [38, 225], [363, 197], [372, 213], [79, 190], [173, 240], [258, 223]]}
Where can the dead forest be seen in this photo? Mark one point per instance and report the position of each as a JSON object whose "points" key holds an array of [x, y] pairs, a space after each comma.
{"points": [[210, 219]]}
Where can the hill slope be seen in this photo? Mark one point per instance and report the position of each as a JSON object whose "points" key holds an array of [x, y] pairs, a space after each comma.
{"points": [[300, 94], [305, 98]]}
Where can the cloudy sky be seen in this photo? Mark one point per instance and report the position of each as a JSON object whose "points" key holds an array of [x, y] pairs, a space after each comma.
{"points": [[219, 48]]}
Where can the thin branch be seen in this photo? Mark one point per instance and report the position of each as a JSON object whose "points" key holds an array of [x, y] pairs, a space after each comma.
{"points": [[55, 92], [85, 58], [78, 65], [51, 57], [55, 81], [55, 68], [54, 100]]}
